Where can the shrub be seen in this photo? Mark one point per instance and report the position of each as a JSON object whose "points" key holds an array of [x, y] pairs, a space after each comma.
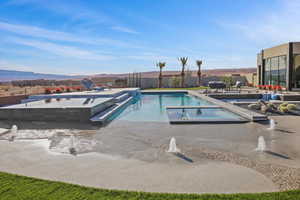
{"points": [[283, 109], [278, 88], [291, 107], [272, 106], [78, 89], [47, 91], [58, 90], [269, 87]]}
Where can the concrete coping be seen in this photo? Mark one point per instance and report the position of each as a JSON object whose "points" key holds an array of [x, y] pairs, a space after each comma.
{"points": [[193, 107], [207, 121], [272, 101], [243, 103], [163, 91]]}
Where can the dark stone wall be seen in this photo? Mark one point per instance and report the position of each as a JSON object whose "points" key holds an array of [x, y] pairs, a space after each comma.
{"points": [[236, 96], [46, 114], [290, 97], [9, 100]]}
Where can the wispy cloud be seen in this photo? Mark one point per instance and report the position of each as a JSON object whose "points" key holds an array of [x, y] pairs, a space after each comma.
{"points": [[229, 61], [149, 56], [38, 32], [8, 65], [124, 29], [61, 50], [76, 12], [272, 26]]}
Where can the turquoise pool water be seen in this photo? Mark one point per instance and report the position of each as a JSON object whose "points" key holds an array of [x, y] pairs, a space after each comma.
{"points": [[152, 107], [209, 115]]}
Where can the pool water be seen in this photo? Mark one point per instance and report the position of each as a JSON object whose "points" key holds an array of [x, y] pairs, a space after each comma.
{"points": [[152, 107], [183, 115]]}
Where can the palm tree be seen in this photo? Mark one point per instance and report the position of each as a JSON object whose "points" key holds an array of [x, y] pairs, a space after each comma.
{"points": [[161, 65], [199, 63], [183, 61]]}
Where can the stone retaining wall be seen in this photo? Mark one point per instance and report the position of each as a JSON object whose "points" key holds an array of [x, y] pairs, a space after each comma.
{"points": [[290, 97], [10, 100], [46, 114], [236, 96]]}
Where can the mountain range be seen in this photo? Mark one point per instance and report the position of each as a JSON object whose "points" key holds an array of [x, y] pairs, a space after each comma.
{"points": [[12, 75]]}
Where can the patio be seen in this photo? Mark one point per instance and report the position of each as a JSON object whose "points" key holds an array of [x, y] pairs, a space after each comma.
{"points": [[132, 156]]}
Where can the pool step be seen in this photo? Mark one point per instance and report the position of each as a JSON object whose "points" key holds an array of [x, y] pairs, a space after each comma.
{"points": [[3, 131], [103, 116], [121, 97]]}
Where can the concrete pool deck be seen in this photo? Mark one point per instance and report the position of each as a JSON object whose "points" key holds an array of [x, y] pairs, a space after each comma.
{"points": [[132, 156], [32, 159]]}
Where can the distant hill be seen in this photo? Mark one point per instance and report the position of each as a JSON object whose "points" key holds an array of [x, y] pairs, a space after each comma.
{"points": [[11, 75], [210, 72]]}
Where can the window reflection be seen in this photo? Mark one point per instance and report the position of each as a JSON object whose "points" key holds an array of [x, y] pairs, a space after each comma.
{"points": [[267, 71], [275, 71], [282, 70], [296, 72]]}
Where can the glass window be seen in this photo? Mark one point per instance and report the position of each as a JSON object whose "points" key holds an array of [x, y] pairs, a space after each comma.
{"points": [[282, 70], [267, 71], [274, 70], [296, 72]]}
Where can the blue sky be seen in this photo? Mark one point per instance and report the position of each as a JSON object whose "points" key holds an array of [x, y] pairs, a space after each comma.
{"points": [[117, 36]]}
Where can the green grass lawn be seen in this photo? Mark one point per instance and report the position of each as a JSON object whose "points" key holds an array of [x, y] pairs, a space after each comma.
{"points": [[25, 188], [192, 88]]}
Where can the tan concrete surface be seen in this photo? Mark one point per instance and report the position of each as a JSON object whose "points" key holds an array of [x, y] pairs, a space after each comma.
{"points": [[31, 158]]}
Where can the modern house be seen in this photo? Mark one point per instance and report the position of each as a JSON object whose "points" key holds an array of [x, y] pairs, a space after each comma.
{"points": [[280, 65]]}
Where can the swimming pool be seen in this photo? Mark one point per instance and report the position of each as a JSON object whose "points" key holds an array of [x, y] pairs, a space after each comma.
{"points": [[153, 108]]}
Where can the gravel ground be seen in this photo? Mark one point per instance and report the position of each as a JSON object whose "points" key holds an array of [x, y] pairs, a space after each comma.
{"points": [[285, 178]]}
